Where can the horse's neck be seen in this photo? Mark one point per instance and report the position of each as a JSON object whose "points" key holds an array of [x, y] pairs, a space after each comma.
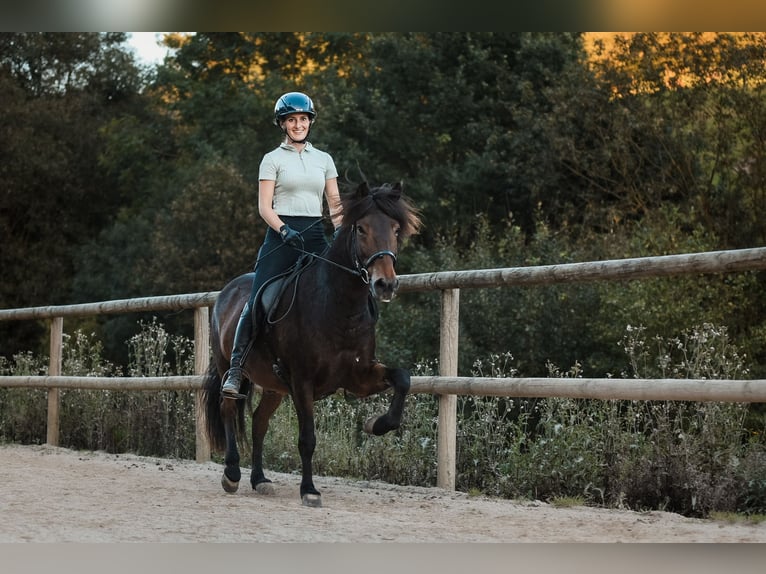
{"points": [[342, 284], [340, 254]]}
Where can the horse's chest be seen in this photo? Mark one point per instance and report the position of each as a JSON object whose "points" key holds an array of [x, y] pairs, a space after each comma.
{"points": [[358, 330]]}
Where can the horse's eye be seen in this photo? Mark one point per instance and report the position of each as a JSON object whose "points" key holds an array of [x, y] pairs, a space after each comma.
{"points": [[360, 230], [396, 231]]}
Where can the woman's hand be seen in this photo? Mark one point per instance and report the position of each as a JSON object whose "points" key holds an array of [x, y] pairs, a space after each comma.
{"points": [[291, 237]]}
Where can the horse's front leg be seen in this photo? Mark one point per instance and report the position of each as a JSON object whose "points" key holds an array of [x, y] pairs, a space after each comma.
{"points": [[231, 471], [303, 398], [399, 380], [266, 407]]}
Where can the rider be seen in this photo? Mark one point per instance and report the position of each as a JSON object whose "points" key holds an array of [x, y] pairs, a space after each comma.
{"points": [[291, 181]]}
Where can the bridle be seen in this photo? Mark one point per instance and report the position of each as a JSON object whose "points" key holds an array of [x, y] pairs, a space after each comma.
{"points": [[360, 270], [363, 270]]}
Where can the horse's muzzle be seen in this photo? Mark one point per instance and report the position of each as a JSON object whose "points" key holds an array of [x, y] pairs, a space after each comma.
{"points": [[383, 279], [384, 289]]}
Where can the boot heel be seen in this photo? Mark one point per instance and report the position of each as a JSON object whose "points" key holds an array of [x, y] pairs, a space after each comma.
{"points": [[231, 383]]}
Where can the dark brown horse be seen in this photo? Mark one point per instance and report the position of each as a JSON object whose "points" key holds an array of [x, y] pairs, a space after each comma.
{"points": [[319, 336]]}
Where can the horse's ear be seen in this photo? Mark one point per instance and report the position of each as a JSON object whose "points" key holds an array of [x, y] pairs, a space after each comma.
{"points": [[396, 190], [362, 190]]}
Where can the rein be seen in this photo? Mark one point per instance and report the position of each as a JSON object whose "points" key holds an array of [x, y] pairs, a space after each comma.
{"points": [[360, 270]]}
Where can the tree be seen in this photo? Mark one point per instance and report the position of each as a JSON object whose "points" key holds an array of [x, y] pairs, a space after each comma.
{"points": [[457, 116], [671, 118], [56, 91], [190, 160]]}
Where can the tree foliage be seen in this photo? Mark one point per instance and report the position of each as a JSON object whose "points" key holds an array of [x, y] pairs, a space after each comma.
{"points": [[56, 91], [519, 148]]}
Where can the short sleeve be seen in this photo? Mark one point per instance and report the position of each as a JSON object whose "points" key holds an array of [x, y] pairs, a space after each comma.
{"points": [[330, 170], [268, 168]]}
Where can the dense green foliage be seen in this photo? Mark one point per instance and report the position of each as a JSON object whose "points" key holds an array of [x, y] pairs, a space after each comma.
{"points": [[519, 148]]}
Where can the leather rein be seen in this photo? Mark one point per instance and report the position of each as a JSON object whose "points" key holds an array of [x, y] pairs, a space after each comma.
{"points": [[360, 270]]}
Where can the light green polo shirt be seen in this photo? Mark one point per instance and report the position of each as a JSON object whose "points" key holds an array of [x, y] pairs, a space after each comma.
{"points": [[300, 178]]}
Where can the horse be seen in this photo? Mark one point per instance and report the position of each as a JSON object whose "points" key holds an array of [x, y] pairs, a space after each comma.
{"points": [[316, 336]]}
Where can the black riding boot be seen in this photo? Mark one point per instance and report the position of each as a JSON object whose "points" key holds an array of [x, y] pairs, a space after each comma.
{"points": [[242, 335]]}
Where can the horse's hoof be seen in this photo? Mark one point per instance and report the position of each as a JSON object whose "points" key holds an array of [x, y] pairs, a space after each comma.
{"points": [[312, 500], [265, 488], [229, 485], [369, 424]]}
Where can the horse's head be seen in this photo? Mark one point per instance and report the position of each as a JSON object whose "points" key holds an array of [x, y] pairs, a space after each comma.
{"points": [[378, 221]]}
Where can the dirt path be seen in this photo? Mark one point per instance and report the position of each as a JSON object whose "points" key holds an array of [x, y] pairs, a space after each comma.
{"points": [[59, 495]]}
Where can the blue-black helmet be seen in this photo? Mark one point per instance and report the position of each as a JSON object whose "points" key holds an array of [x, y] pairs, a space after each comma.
{"points": [[293, 103]]}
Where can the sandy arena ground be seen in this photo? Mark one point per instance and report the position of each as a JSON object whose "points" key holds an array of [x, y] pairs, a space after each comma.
{"points": [[59, 495]]}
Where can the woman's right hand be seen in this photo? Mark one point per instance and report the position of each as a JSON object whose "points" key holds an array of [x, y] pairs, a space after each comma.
{"points": [[291, 237]]}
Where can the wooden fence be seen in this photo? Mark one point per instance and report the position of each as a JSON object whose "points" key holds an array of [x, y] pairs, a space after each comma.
{"points": [[447, 385]]}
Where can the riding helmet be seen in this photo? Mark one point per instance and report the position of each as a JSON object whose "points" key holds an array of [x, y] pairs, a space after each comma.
{"points": [[293, 103]]}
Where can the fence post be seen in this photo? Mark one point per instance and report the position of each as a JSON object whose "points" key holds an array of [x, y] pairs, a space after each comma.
{"points": [[447, 425], [54, 370], [201, 361]]}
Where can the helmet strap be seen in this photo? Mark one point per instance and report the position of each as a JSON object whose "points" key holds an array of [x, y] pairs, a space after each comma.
{"points": [[291, 140]]}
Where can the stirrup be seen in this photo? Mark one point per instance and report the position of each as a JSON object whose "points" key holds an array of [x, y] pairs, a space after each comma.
{"points": [[231, 391]]}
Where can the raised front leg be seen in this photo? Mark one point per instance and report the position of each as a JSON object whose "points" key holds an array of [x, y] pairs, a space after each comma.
{"points": [[399, 380], [261, 416]]}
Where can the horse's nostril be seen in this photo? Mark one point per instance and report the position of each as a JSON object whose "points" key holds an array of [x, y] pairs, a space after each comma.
{"points": [[385, 288]]}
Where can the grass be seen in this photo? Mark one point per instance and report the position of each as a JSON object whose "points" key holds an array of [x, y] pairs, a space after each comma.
{"points": [[567, 501], [697, 459], [737, 518]]}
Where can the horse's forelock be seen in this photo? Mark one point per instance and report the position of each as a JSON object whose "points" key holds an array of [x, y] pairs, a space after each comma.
{"points": [[354, 207], [388, 199]]}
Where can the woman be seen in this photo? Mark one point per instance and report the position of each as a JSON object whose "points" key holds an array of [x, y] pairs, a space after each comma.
{"points": [[291, 182]]}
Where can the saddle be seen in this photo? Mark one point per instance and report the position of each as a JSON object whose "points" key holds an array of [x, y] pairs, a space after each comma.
{"points": [[271, 292]]}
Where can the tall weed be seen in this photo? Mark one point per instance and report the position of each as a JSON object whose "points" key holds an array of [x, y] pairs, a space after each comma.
{"points": [[145, 422], [688, 457], [23, 412]]}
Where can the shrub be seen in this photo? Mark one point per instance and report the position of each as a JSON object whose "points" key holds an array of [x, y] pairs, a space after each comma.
{"points": [[23, 412], [692, 458], [146, 422]]}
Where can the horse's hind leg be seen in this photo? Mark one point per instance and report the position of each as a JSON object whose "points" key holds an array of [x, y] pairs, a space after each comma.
{"points": [[399, 379], [231, 471], [266, 407]]}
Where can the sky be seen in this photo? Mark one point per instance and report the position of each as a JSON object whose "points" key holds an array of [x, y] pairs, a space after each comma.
{"points": [[146, 46]]}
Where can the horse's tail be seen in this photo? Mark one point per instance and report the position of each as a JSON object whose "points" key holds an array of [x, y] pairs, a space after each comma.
{"points": [[211, 397]]}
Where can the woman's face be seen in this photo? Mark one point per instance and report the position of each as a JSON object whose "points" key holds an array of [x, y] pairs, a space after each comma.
{"points": [[297, 126]]}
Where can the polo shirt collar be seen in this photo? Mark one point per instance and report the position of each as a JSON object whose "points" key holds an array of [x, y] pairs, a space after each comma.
{"points": [[290, 147]]}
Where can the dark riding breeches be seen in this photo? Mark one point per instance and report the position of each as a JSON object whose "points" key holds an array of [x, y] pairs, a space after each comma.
{"points": [[274, 258]]}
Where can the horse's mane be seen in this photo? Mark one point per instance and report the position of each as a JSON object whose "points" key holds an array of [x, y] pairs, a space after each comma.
{"points": [[389, 199]]}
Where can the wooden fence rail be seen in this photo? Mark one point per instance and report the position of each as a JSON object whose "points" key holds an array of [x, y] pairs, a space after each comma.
{"points": [[447, 385], [698, 390]]}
